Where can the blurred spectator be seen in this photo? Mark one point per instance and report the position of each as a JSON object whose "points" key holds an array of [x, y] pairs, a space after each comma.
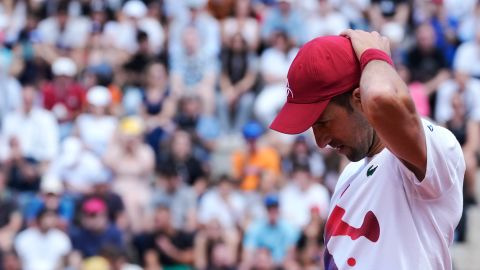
{"points": [[10, 216], [94, 231], [223, 203], [208, 40], [274, 64], [136, 66], [220, 9], [354, 10], [274, 234], [383, 13], [10, 261], [111, 258], [468, 87], [242, 23], [133, 18], [11, 97], [51, 197], [469, 24], [459, 9], [301, 195], [248, 165], [303, 154], [43, 246], [63, 30], [466, 130], [158, 106], [326, 21], [96, 126], [180, 156], [203, 129], [165, 248], [467, 57], [132, 163], [426, 63], [171, 191], [310, 245], [78, 167], [444, 25], [194, 72], [64, 96], [28, 154], [237, 80], [116, 209], [283, 17], [214, 248]]}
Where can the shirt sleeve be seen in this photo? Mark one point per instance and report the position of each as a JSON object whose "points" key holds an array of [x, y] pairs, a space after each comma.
{"points": [[445, 164]]}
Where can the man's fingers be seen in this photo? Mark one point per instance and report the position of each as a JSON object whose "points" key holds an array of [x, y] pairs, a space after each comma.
{"points": [[347, 33]]}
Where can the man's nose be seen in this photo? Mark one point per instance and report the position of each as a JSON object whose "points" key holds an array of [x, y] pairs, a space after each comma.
{"points": [[322, 139]]}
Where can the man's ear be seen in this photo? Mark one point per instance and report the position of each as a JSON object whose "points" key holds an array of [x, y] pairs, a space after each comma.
{"points": [[356, 99]]}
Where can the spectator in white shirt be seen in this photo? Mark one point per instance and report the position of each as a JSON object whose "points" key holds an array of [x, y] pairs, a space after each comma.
{"points": [[43, 247], [30, 138], [300, 196]]}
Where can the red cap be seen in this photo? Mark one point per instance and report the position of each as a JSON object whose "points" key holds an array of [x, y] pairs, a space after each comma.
{"points": [[94, 205], [323, 68]]}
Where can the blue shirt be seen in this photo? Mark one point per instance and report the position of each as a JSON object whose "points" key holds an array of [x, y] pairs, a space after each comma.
{"points": [[277, 238]]}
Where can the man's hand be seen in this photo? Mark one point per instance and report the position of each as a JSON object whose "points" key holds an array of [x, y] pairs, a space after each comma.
{"points": [[362, 41]]}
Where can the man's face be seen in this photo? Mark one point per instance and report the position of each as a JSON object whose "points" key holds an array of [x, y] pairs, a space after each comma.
{"points": [[347, 131]]}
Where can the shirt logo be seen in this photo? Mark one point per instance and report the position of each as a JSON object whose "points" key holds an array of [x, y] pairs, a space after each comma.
{"points": [[430, 127], [336, 226], [371, 170], [289, 90]]}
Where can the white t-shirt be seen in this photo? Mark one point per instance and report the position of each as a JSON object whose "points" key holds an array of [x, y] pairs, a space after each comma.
{"points": [[471, 97], [42, 251], [295, 204], [213, 206], [467, 58], [382, 217]]}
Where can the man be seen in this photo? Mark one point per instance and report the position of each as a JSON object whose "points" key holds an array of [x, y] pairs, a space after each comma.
{"points": [[43, 246], [397, 204], [274, 233]]}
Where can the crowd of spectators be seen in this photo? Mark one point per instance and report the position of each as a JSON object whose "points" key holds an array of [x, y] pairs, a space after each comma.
{"points": [[134, 134]]}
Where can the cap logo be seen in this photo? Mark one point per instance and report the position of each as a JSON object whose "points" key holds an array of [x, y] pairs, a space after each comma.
{"points": [[289, 90]]}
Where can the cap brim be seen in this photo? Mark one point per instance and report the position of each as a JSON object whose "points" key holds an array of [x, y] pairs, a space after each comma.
{"points": [[295, 118]]}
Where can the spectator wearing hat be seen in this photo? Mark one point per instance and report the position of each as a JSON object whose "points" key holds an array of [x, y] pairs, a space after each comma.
{"points": [[43, 246], [248, 165], [96, 127], [10, 215], [94, 230], [132, 163], [27, 154], [122, 34], [273, 233], [51, 197], [102, 189], [64, 96]]}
